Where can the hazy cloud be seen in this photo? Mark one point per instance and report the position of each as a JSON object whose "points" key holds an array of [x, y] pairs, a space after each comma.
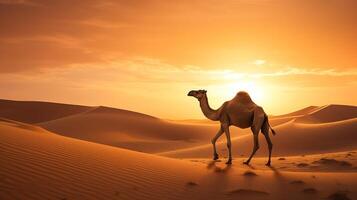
{"points": [[203, 33]]}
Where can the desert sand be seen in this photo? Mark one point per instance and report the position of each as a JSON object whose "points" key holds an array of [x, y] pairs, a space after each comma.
{"points": [[131, 130], [111, 126], [36, 111], [36, 164], [57, 155]]}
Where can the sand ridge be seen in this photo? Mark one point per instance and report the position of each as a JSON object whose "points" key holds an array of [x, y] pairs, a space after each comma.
{"points": [[37, 111]]}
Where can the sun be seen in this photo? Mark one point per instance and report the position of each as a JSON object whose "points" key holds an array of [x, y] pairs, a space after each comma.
{"points": [[253, 88], [227, 91]]}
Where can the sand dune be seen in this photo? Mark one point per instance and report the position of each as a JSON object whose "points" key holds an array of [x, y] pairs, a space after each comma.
{"points": [[329, 113], [36, 164], [327, 128], [21, 125], [131, 130], [116, 127], [36, 112], [280, 119], [145, 133], [39, 165], [300, 112], [316, 114], [292, 139], [275, 121]]}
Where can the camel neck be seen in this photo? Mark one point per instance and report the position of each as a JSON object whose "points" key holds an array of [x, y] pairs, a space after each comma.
{"points": [[207, 110]]}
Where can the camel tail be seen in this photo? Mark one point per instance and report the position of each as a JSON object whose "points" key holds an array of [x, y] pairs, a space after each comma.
{"points": [[272, 130]]}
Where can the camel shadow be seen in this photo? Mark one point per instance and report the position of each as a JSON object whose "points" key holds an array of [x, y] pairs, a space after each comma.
{"points": [[212, 163], [250, 166], [218, 169], [276, 172]]}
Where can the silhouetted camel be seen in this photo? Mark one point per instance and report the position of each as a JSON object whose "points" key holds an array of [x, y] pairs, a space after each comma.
{"points": [[242, 112]]}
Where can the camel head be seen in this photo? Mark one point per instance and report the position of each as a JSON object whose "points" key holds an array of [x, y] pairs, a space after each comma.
{"points": [[198, 94]]}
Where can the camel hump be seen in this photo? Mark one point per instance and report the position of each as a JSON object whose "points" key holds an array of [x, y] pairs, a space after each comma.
{"points": [[243, 97]]}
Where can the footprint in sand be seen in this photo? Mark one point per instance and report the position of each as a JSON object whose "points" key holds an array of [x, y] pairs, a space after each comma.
{"points": [[302, 165], [333, 162], [309, 191], [191, 183], [340, 195], [297, 182], [248, 193], [348, 155], [249, 174]]}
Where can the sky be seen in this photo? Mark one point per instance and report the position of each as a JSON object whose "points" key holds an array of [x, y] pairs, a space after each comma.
{"points": [[145, 55]]}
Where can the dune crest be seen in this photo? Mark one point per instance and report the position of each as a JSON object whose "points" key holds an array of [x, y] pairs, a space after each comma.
{"points": [[37, 111], [329, 113], [300, 112]]}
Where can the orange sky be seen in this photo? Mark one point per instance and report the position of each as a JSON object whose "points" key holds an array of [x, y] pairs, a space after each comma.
{"points": [[145, 55]]}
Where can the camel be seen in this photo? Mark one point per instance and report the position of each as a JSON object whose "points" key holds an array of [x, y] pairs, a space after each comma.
{"points": [[242, 112]]}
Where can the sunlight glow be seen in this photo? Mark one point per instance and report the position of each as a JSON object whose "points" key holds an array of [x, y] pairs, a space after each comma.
{"points": [[227, 91], [259, 62], [254, 90]]}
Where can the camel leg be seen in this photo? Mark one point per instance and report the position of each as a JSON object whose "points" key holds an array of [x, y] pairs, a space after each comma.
{"points": [[270, 146], [214, 139], [259, 117], [255, 148], [265, 130], [229, 144]]}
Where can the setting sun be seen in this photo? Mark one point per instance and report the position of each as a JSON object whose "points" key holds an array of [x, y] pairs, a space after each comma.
{"points": [[227, 91], [255, 90]]}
